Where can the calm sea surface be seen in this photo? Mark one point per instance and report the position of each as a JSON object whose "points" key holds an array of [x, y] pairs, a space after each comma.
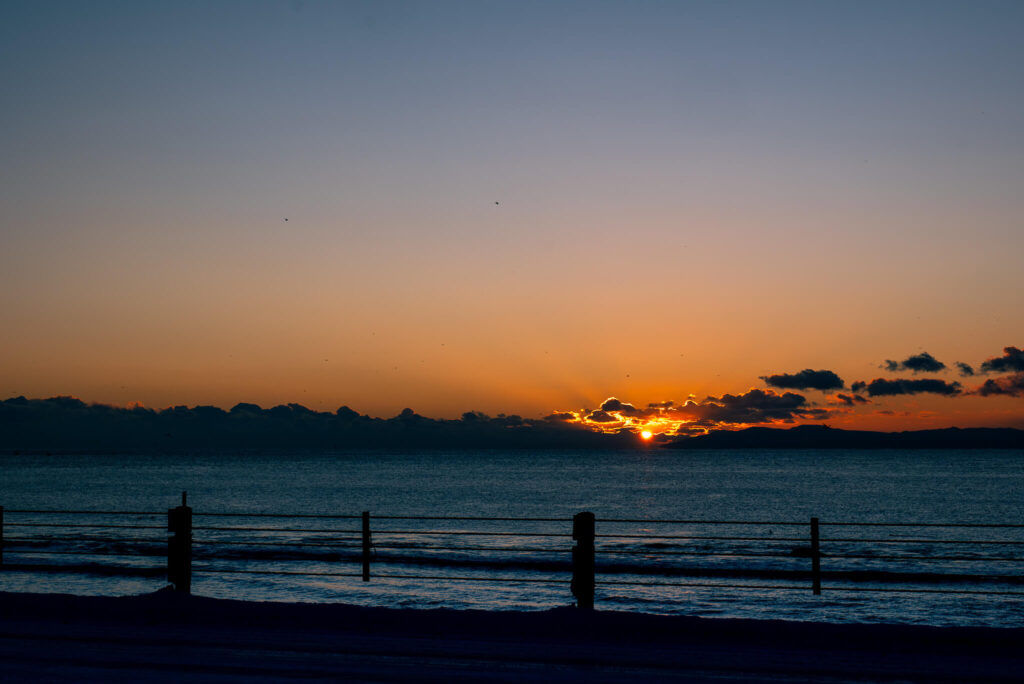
{"points": [[680, 567]]}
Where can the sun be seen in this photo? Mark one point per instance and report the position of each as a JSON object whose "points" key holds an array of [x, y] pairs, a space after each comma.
{"points": [[646, 434]]}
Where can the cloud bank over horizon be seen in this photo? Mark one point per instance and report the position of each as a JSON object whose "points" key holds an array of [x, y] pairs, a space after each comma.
{"points": [[664, 419], [72, 424], [694, 416]]}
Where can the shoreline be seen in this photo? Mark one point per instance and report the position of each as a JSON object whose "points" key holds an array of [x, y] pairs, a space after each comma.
{"points": [[84, 638]]}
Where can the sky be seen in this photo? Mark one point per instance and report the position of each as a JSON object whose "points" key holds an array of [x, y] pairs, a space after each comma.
{"points": [[516, 207]]}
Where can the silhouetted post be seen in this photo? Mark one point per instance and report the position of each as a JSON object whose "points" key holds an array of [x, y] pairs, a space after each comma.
{"points": [[815, 558], [583, 560], [1, 535], [366, 546], [179, 546]]}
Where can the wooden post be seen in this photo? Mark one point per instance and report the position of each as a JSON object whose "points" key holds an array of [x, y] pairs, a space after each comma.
{"points": [[815, 558], [179, 546], [366, 546], [583, 560]]}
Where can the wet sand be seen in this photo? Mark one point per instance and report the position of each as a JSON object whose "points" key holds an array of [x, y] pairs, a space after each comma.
{"points": [[166, 637]]}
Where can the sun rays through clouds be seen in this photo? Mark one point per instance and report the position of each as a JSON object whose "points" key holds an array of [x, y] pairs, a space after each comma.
{"points": [[805, 396]]}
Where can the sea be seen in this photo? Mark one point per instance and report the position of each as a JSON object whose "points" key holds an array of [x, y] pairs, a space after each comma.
{"points": [[920, 537]]}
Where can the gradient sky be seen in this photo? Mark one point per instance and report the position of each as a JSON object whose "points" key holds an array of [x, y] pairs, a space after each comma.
{"points": [[514, 207]]}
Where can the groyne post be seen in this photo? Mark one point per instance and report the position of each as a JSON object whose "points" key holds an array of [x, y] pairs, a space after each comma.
{"points": [[815, 558], [583, 560], [179, 546], [366, 546]]}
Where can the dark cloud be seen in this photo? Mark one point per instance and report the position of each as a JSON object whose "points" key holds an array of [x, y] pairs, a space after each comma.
{"points": [[71, 424], [918, 363], [756, 406], [345, 413], [966, 370], [613, 405], [1011, 385], [693, 429], [880, 387], [560, 416], [698, 416], [510, 420], [849, 399], [805, 379], [1012, 360]]}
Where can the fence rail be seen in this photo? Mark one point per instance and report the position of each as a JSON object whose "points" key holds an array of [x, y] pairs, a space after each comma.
{"points": [[584, 552]]}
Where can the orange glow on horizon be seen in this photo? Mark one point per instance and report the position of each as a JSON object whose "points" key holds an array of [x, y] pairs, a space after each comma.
{"points": [[664, 419]]}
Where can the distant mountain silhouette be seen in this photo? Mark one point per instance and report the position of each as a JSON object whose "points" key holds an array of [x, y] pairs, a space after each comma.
{"points": [[824, 437], [71, 425]]}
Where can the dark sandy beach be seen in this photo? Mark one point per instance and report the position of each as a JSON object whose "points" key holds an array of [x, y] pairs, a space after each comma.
{"points": [[167, 637]]}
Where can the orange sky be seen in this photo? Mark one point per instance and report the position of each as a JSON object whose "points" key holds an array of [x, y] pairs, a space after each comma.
{"points": [[511, 208]]}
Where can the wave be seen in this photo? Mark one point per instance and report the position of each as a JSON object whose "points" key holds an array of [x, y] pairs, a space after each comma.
{"points": [[271, 558], [623, 559], [97, 569]]}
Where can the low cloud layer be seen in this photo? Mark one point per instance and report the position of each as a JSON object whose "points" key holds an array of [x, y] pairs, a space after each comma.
{"points": [[755, 406], [66, 422], [695, 416], [805, 380], [69, 423], [773, 406]]}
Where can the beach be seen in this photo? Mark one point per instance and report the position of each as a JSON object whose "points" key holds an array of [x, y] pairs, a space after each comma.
{"points": [[166, 636]]}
